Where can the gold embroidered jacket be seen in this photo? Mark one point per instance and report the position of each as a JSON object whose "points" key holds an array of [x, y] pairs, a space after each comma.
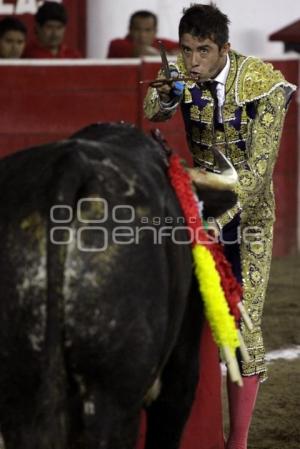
{"points": [[256, 98]]}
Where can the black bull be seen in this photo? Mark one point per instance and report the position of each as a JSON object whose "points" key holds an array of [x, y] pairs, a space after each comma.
{"points": [[94, 307]]}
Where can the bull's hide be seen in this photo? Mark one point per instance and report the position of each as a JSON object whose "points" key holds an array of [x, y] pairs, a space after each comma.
{"points": [[96, 297]]}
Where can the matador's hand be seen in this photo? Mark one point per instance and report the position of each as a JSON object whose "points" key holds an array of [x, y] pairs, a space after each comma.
{"points": [[168, 90]]}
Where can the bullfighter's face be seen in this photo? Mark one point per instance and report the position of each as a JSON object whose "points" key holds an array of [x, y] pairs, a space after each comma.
{"points": [[202, 57]]}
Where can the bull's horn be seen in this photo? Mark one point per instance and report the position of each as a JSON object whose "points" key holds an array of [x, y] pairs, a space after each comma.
{"points": [[225, 179]]}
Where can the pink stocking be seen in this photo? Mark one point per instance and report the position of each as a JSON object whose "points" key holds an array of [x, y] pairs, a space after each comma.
{"points": [[241, 406]]}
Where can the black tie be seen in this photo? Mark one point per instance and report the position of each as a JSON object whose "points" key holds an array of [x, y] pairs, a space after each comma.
{"points": [[213, 90]]}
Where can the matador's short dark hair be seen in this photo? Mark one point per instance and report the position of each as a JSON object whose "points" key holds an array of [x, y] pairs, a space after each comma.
{"points": [[205, 21], [51, 11], [143, 14]]}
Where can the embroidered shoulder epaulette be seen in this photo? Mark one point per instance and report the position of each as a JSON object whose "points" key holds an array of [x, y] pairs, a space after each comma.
{"points": [[257, 79]]}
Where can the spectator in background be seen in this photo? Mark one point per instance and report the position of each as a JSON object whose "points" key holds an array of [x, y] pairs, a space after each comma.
{"points": [[141, 39], [51, 20], [13, 35]]}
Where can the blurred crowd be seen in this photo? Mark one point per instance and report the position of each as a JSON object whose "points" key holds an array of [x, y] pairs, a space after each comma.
{"points": [[50, 24]]}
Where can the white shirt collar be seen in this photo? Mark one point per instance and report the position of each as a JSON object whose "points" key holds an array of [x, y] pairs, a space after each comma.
{"points": [[222, 76]]}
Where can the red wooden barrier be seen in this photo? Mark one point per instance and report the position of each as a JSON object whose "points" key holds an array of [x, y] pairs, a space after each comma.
{"points": [[286, 172], [41, 103]]}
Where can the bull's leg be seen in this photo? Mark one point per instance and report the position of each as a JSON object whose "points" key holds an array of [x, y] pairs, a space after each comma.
{"points": [[15, 436], [26, 435], [107, 423], [167, 416], [21, 428], [126, 435], [10, 437]]}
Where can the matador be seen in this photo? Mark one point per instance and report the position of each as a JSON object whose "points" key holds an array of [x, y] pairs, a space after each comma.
{"points": [[239, 108]]}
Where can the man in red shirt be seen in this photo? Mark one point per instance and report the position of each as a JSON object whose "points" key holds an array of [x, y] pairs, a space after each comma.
{"points": [[51, 20], [141, 39]]}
